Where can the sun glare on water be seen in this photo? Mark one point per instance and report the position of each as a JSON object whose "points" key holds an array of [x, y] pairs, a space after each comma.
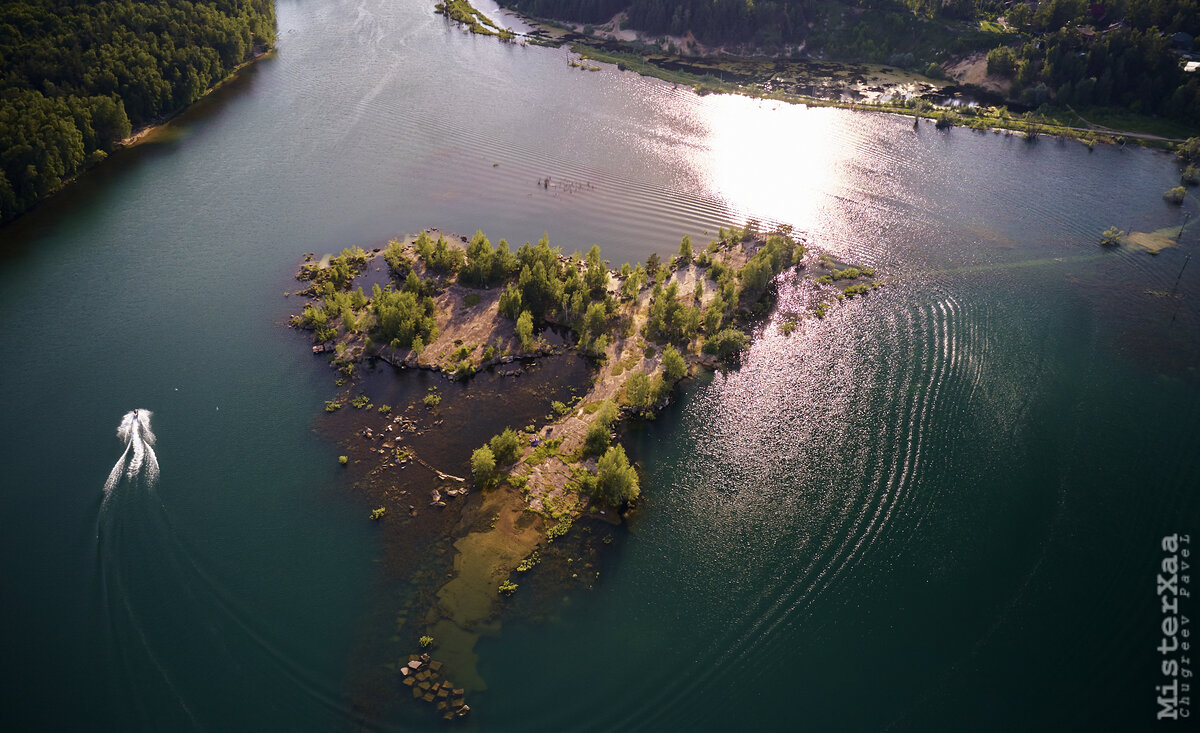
{"points": [[771, 160]]}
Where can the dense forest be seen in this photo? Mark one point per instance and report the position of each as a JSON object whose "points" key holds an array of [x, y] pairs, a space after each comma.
{"points": [[771, 24], [765, 23], [1117, 53], [77, 75], [1080, 55]]}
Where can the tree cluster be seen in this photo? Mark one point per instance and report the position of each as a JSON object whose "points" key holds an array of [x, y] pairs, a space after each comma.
{"points": [[778, 254], [599, 433], [76, 76], [643, 391], [1124, 67], [439, 256], [486, 266], [670, 320], [616, 480], [403, 317], [550, 287], [505, 447]]}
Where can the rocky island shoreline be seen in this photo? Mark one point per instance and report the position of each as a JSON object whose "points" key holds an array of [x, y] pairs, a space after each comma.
{"points": [[459, 308]]}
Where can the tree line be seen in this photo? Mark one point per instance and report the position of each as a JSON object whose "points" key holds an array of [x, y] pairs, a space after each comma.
{"points": [[762, 23], [771, 22], [76, 77], [1078, 52]]}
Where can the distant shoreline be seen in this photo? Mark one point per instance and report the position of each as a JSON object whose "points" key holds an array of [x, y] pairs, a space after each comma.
{"points": [[660, 64]]}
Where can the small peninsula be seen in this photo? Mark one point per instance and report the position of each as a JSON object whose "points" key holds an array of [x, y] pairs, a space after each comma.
{"points": [[456, 307]]}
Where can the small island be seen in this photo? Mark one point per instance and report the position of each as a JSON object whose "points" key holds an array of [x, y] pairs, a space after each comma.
{"points": [[457, 307]]}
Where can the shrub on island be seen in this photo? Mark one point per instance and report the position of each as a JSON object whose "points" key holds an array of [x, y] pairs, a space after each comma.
{"points": [[726, 344], [616, 480], [483, 466]]}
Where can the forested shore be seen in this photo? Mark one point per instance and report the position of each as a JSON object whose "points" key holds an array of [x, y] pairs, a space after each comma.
{"points": [[78, 77], [1066, 55]]}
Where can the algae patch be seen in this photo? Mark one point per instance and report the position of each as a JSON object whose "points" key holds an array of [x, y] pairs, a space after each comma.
{"points": [[1155, 241]]}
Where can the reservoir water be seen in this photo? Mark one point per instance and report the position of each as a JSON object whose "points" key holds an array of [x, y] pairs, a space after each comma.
{"points": [[938, 508]]}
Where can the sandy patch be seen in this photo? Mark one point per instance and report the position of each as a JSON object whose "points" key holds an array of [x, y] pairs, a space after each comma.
{"points": [[973, 70], [1154, 241]]}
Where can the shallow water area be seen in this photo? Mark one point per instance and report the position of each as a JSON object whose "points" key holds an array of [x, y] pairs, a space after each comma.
{"points": [[411, 457]]}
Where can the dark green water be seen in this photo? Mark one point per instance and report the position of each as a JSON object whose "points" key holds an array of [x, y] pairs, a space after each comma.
{"points": [[939, 508]]}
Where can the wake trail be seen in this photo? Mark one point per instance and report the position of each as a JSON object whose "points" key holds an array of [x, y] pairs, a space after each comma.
{"points": [[115, 474], [138, 458]]}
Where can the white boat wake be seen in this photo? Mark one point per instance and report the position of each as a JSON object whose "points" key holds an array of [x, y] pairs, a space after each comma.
{"points": [[138, 458]]}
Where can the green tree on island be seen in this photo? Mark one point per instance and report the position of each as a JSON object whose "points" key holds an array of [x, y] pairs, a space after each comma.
{"points": [[685, 251], [510, 302], [642, 391], [524, 330], [599, 432], [483, 466], [674, 367], [727, 343], [616, 480], [505, 447]]}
